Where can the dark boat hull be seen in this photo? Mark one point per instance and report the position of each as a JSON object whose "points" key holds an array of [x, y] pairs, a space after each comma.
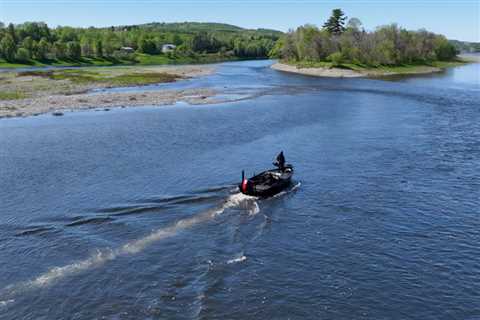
{"points": [[267, 183]]}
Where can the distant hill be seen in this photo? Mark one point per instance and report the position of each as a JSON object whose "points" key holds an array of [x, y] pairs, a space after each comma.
{"points": [[33, 43], [191, 26], [195, 27], [464, 46]]}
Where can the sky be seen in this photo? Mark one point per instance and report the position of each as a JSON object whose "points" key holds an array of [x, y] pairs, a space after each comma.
{"points": [[456, 19]]}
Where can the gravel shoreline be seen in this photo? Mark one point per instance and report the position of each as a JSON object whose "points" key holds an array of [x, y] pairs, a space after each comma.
{"points": [[57, 104], [317, 72], [56, 96], [346, 73]]}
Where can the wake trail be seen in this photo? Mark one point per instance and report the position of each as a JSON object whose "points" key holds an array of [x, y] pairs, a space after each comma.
{"points": [[292, 189], [136, 246]]}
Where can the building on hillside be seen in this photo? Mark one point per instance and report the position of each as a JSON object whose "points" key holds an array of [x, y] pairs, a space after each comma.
{"points": [[127, 49], [168, 47]]}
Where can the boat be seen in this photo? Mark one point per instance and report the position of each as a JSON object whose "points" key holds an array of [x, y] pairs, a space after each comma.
{"points": [[267, 183]]}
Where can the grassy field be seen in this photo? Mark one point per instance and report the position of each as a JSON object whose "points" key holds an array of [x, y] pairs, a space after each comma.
{"points": [[60, 63], [140, 59]]}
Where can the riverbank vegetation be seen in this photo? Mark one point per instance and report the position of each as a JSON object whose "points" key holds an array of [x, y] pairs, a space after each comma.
{"points": [[35, 44], [347, 45], [118, 78]]}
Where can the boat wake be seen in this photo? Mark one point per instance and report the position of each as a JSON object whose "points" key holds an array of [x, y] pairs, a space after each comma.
{"points": [[291, 189], [6, 302], [100, 257], [240, 258]]}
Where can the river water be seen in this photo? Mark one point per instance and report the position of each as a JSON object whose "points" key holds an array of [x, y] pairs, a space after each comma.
{"points": [[133, 213]]}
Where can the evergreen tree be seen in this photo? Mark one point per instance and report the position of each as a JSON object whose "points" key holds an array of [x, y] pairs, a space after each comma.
{"points": [[11, 31], [336, 23]]}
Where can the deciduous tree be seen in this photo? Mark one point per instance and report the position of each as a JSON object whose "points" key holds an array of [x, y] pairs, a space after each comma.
{"points": [[7, 48]]}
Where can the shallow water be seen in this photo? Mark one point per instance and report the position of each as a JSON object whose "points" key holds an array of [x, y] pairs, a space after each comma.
{"points": [[133, 213]]}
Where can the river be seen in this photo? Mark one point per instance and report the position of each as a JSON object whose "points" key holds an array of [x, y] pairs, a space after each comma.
{"points": [[134, 213]]}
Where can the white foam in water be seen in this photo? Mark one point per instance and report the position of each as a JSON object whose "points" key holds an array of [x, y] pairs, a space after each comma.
{"points": [[4, 303], [133, 247], [237, 200], [59, 272], [255, 209], [295, 187], [235, 260]]}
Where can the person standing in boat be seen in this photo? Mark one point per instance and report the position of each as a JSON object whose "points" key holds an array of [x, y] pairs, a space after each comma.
{"points": [[280, 161]]}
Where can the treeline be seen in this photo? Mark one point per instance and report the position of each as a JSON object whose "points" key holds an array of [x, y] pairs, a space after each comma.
{"points": [[464, 46], [340, 42], [35, 40]]}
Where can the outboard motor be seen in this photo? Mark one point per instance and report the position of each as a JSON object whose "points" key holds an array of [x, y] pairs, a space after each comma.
{"points": [[245, 186]]}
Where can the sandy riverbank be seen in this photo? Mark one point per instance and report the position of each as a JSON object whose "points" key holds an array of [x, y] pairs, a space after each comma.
{"points": [[348, 73], [39, 93], [470, 57], [318, 72]]}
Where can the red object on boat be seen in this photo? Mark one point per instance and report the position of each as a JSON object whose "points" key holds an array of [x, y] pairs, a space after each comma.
{"points": [[244, 185]]}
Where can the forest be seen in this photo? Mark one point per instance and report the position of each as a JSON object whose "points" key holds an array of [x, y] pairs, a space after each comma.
{"points": [[36, 41], [342, 42]]}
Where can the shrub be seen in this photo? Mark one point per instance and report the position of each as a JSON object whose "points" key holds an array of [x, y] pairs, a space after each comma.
{"points": [[336, 59], [23, 55]]}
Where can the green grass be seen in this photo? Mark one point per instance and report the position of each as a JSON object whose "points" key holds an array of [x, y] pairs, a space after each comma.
{"points": [[311, 64], [74, 75], [85, 76], [415, 67], [147, 59], [141, 79], [381, 69], [12, 95], [6, 64], [139, 59], [66, 63], [448, 64]]}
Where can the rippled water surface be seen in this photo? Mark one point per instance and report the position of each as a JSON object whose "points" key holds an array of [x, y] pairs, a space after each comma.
{"points": [[133, 213]]}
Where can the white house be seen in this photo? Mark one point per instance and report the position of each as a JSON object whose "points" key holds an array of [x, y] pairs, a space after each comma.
{"points": [[127, 49], [168, 47]]}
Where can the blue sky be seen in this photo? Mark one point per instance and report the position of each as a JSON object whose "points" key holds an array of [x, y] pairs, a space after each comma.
{"points": [[455, 19]]}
